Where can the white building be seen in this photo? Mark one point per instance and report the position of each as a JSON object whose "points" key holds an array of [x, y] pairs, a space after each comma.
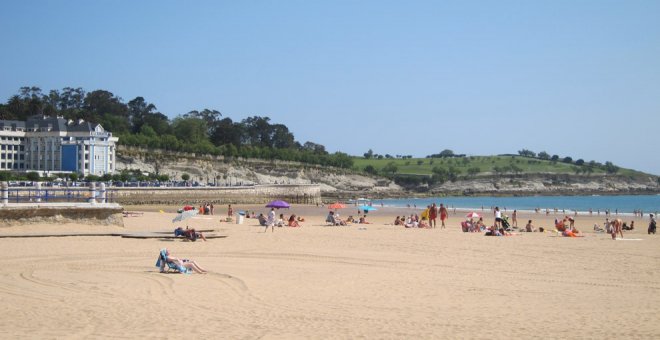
{"points": [[46, 144]]}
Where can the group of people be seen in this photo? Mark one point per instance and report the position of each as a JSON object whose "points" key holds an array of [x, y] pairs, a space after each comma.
{"points": [[431, 214], [206, 209], [412, 221], [334, 219], [271, 221], [472, 226]]}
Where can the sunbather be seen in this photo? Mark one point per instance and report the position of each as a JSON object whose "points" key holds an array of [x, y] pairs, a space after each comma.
{"points": [[185, 263], [293, 222], [530, 227], [189, 234]]}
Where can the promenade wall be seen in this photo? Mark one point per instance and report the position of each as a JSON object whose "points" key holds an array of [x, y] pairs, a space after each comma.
{"points": [[13, 214], [258, 194]]}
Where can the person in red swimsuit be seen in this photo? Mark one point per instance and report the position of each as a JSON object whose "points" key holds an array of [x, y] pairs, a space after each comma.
{"points": [[443, 214], [433, 215]]}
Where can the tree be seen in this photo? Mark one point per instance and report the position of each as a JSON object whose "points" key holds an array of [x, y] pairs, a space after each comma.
{"points": [[579, 162], [567, 160], [440, 175], [185, 176], [5, 176], [588, 170], [370, 169], [369, 154], [390, 168], [544, 155], [473, 171], [33, 176], [211, 117], [527, 153], [227, 132], [453, 173], [420, 162], [610, 168], [257, 131], [554, 158], [447, 153], [314, 148], [73, 177], [281, 137], [190, 130], [138, 108]]}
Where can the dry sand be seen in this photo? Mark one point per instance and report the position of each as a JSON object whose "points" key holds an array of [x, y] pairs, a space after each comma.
{"points": [[329, 282]]}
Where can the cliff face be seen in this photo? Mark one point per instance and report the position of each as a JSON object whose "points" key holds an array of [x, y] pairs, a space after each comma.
{"points": [[338, 183], [550, 185], [223, 172]]}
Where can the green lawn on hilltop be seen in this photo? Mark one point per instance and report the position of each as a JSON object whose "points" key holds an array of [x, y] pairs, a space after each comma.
{"points": [[486, 165]]}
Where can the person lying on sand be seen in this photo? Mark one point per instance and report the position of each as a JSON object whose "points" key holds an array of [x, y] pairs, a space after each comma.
{"points": [[189, 234]]}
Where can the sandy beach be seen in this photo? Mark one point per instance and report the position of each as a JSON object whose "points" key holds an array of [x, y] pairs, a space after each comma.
{"points": [[359, 281]]}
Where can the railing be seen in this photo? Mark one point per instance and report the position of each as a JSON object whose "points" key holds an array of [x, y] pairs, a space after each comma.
{"points": [[37, 194]]}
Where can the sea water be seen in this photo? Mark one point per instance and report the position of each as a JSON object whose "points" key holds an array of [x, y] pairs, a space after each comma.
{"points": [[622, 204]]}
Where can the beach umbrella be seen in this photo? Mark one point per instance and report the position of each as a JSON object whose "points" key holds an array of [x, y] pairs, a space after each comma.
{"points": [[278, 204], [184, 215], [337, 205], [473, 215], [367, 208]]}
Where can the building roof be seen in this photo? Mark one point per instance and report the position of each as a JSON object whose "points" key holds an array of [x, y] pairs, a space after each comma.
{"points": [[12, 123], [54, 123]]}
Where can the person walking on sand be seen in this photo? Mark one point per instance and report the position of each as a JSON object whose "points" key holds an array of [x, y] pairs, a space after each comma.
{"points": [[433, 215], [443, 215], [270, 222], [230, 211]]}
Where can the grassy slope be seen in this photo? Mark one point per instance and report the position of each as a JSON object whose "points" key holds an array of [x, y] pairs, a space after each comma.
{"points": [[485, 163]]}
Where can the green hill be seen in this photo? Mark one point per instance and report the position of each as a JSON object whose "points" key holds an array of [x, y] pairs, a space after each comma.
{"points": [[486, 165]]}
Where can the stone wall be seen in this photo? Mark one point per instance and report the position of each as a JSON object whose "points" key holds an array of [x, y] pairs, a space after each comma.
{"points": [[21, 214], [258, 194]]}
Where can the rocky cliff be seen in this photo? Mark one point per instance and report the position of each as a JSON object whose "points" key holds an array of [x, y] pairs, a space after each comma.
{"points": [[228, 172], [340, 183], [550, 184]]}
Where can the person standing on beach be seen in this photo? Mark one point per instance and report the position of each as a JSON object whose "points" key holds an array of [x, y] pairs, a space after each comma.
{"points": [[617, 227], [514, 218], [652, 225], [230, 211], [443, 214], [498, 218], [270, 222], [433, 215]]}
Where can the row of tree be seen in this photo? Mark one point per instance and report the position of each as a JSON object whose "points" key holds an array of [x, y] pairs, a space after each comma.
{"points": [[139, 123], [609, 167]]}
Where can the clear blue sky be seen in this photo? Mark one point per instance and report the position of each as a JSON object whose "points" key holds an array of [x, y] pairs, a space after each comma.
{"points": [[574, 78]]}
